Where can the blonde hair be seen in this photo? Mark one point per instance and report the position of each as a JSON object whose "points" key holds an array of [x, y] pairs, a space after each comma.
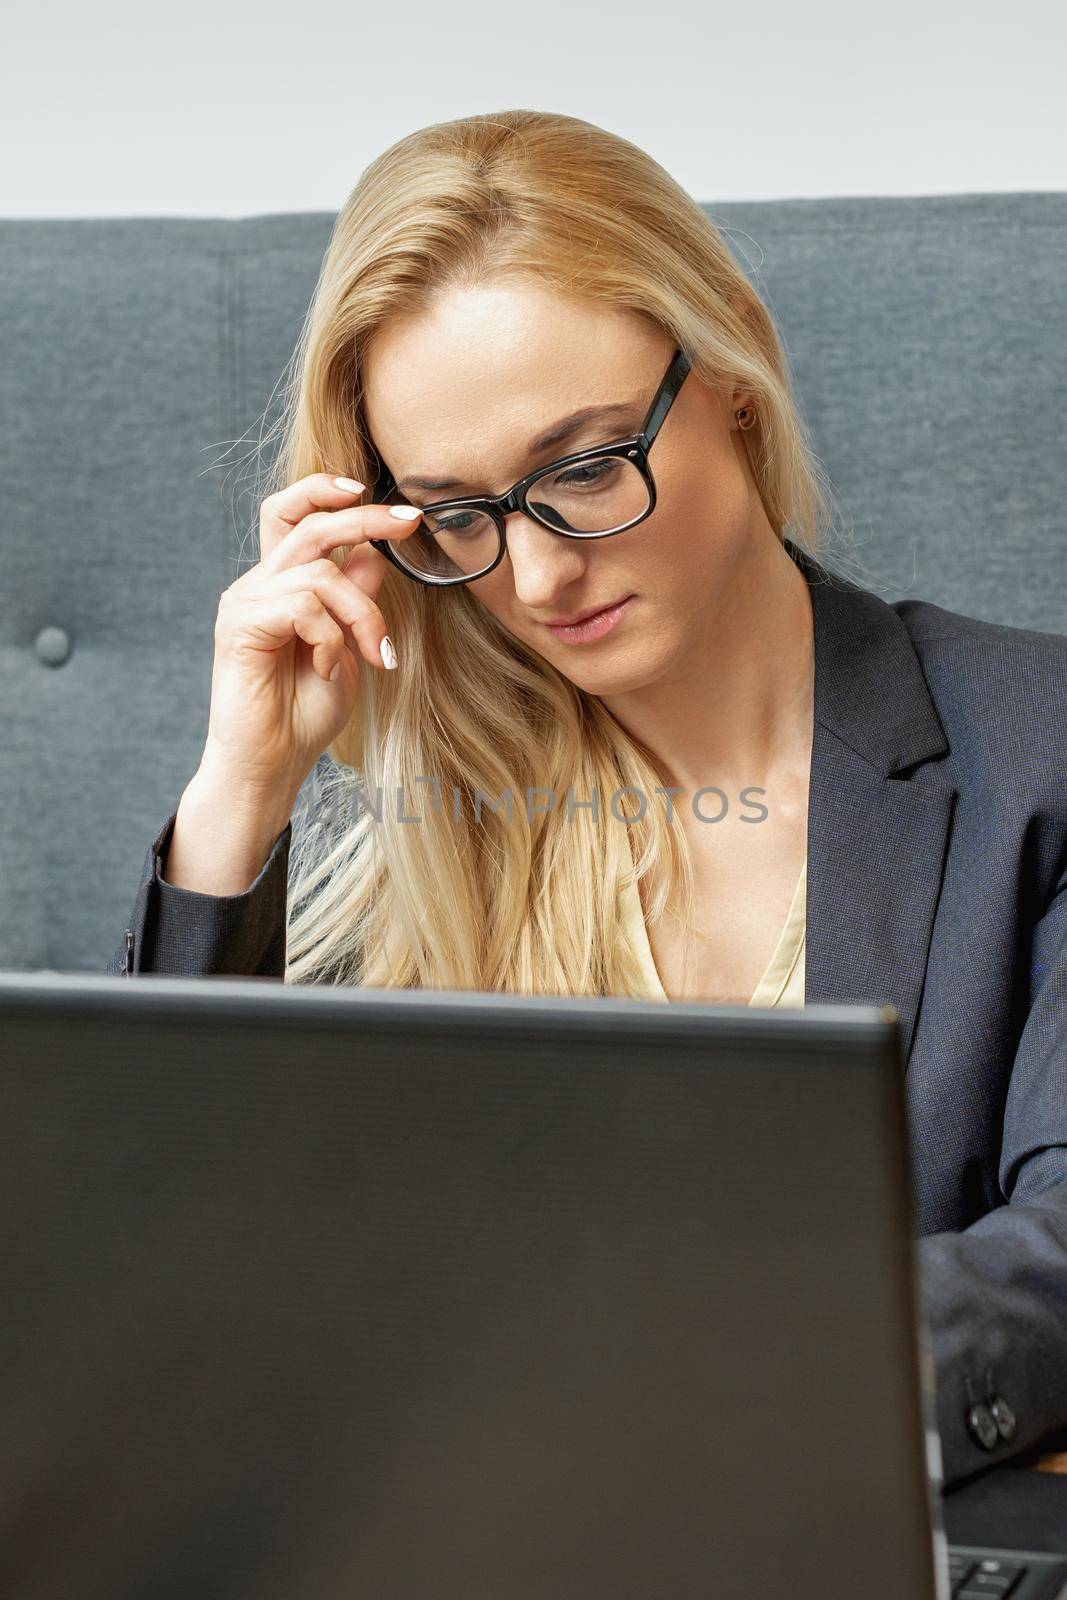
{"points": [[530, 903]]}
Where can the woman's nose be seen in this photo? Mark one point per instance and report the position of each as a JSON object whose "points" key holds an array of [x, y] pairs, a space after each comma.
{"points": [[542, 562]]}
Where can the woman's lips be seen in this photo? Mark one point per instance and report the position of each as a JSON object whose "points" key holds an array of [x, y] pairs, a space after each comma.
{"points": [[594, 627]]}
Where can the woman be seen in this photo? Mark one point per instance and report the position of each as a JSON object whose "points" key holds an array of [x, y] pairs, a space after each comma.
{"points": [[748, 780]]}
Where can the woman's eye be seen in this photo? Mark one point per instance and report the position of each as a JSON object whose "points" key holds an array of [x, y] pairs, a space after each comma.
{"points": [[589, 473], [458, 524]]}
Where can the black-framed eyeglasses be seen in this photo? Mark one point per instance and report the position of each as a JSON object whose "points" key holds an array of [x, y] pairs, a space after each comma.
{"points": [[590, 494]]}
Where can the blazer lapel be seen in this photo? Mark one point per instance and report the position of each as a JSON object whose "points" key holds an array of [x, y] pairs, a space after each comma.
{"points": [[880, 804]]}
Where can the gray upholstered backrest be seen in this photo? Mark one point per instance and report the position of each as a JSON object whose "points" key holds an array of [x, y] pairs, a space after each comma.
{"points": [[928, 343]]}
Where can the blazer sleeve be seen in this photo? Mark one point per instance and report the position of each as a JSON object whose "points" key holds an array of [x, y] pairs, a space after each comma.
{"points": [[180, 932], [995, 1294]]}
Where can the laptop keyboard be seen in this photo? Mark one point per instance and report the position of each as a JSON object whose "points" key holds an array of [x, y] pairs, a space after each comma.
{"points": [[980, 1574], [992, 1576]]}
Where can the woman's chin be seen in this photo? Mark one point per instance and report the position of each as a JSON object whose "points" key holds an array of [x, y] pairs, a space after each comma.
{"points": [[609, 678]]}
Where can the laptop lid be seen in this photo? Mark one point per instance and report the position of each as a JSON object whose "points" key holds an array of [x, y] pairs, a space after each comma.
{"points": [[322, 1292]]}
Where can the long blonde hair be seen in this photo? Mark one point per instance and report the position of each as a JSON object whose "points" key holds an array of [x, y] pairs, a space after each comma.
{"points": [[469, 897]]}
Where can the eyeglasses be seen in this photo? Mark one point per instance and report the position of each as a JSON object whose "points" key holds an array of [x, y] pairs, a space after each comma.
{"points": [[591, 494]]}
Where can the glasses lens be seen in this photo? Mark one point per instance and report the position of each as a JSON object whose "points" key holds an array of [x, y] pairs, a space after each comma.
{"points": [[456, 543], [598, 495]]}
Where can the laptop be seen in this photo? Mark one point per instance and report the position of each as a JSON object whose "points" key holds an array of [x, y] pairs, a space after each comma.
{"points": [[317, 1292]]}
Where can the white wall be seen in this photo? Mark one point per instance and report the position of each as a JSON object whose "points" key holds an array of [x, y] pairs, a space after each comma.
{"points": [[200, 109]]}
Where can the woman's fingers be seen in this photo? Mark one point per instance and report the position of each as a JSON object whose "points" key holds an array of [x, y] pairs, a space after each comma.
{"points": [[281, 512], [313, 516], [354, 610]]}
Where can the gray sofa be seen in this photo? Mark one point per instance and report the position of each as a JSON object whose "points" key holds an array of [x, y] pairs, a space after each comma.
{"points": [[142, 357]]}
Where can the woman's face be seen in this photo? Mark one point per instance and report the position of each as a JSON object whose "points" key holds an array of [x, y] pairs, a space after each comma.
{"points": [[459, 394]]}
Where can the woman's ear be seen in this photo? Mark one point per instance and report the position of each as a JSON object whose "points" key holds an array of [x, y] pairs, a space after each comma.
{"points": [[739, 400]]}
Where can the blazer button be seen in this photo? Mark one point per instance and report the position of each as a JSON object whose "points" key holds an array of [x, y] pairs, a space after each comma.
{"points": [[1003, 1416], [983, 1427]]}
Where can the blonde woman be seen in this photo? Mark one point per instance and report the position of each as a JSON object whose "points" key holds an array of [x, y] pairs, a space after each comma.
{"points": [[534, 387]]}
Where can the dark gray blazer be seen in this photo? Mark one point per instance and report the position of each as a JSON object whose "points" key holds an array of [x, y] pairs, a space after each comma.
{"points": [[937, 882]]}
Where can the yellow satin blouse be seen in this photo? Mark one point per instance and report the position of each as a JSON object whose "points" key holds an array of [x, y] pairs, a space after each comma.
{"points": [[782, 983]]}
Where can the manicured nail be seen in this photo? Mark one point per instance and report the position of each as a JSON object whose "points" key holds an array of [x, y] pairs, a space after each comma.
{"points": [[350, 484], [405, 513], [388, 654]]}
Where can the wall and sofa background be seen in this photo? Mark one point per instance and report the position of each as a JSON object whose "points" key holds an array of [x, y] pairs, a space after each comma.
{"points": [[142, 364]]}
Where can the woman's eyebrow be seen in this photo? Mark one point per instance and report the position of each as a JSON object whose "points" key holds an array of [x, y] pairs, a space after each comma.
{"points": [[556, 434]]}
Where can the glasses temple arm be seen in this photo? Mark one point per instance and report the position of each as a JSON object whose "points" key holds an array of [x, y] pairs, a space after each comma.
{"points": [[668, 390]]}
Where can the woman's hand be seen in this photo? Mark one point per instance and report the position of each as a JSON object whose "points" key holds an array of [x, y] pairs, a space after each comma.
{"points": [[290, 633]]}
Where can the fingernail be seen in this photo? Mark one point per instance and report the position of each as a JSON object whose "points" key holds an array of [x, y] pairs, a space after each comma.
{"points": [[388, 654], [405, 513], [350, 484], [336, 673]]}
